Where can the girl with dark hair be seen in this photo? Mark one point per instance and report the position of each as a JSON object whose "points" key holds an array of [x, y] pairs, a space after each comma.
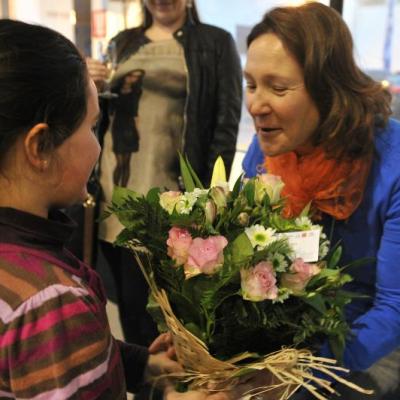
{"points": [[324, 127], [55, 341], [190, 102]]}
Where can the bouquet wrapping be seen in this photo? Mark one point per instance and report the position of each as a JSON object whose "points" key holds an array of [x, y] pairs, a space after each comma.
{"points": [[241, 288]]}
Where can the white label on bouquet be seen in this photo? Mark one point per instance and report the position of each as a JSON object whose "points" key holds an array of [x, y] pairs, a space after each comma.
{"points": [[305, 244]]}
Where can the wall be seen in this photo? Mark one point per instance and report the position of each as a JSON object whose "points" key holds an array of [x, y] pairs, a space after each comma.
{"points": [[54, 14]]}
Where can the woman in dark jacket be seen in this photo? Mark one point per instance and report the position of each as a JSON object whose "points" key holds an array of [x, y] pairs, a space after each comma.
{"points": [[191, 102]]}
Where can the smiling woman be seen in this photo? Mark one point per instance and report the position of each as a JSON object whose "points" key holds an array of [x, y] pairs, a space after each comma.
{"points": [[285, 115], [166, 12], [324, 128]]}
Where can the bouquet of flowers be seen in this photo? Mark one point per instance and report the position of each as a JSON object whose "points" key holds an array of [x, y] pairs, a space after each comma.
{"points": [[241, 287]]}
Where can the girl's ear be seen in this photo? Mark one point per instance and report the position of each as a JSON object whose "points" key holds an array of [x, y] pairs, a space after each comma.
{"points": [[33, 146]]}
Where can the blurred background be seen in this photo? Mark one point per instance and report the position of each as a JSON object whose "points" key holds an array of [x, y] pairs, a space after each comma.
{"points": [[375, 25]]}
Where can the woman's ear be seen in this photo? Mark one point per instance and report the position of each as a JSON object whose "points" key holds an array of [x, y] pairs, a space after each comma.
{"points": [[35, 152]]}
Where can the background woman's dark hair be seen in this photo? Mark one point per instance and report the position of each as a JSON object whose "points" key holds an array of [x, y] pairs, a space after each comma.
{"points": [[349, 102], [193, 15], [43, 78]]}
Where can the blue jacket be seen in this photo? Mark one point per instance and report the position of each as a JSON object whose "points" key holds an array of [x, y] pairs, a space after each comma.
{"points": [[374, 231], [253, 161]]}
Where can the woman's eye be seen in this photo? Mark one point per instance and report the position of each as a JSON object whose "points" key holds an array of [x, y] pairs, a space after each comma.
{"points": [[250, 86], [279, 89]]}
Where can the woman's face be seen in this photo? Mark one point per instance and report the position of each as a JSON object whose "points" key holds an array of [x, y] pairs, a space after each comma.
{"points": [[284, 114], [77, 156], [167, 12]]}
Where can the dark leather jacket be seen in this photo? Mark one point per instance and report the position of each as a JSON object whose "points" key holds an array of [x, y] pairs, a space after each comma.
{"points": [[214, 92]]}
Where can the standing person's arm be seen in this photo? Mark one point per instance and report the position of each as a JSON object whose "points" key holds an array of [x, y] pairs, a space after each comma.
{"points": [[98, 72], [229, 103]]}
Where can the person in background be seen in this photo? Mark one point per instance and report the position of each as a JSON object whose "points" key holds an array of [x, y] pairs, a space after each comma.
{"points": [[191, 103], [323, 126], [125, 135], [55, 341]]}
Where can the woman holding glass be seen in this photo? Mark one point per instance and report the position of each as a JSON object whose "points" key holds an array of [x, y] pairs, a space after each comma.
{"points": [[190, 102]]}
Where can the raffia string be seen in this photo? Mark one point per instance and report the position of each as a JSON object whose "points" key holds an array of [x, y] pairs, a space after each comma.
{"points": [[290, 368]]}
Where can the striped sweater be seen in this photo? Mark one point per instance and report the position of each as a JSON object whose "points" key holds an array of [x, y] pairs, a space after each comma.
{"points": [[55, 341]]}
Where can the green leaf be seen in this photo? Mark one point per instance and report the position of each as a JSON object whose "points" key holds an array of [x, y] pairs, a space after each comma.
{"points": [[194, 175], [241, 249], [121, 194], [316, 301], [127, 218], [123, 237], [236, 187], [154, 310], [193, 328], [359, 262], [187, 311], [306, 210], [337, 344], [153, 196], [335, 258], [249, 192], [186, 175]]}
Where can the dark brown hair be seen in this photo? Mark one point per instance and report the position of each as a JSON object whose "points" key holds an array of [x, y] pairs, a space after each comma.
{"points": [[350, 103], [192, 15], [43, 78]]}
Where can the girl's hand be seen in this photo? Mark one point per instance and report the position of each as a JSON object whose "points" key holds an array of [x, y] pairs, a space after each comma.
{"points": [[161, 364], [164, 342]]}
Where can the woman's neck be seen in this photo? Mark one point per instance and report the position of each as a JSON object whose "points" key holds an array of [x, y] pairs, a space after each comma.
{"points": [[157, 32], [27, 200]]}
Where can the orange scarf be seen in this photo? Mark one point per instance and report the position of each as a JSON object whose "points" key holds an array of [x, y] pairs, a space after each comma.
{"points": [[333, 187]]}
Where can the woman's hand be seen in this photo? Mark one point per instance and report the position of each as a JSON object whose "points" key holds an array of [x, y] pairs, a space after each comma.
{"points": [[171, 394], [254, 381], [97, 71]]}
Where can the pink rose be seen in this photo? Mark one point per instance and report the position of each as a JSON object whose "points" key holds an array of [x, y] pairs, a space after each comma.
{"points": [[205, 255], [300, 274], [259, 283], [179, 241]]}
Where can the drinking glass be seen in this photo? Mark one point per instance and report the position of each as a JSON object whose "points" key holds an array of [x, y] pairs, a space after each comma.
{"points": [[109, 58]]}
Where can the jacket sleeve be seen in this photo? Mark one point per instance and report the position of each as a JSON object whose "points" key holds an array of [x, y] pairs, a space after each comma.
{"points": [[377, 332], [134, 359], [254, 160], [229, 102]]}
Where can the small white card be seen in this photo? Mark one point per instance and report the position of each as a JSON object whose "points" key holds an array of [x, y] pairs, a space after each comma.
{"points": [[305, 244]]}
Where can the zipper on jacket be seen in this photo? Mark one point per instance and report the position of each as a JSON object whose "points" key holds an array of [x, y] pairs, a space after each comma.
{"points": [[185, 109]]}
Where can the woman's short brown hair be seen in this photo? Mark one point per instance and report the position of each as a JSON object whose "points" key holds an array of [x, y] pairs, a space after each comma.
{"points": [[350, 103]]}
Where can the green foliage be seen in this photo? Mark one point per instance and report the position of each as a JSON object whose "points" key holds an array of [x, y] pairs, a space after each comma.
{"points": [[211, 304], [188, 180]]}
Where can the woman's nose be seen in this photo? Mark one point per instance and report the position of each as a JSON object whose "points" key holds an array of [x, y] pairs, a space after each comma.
{"points": [[258, 103]]}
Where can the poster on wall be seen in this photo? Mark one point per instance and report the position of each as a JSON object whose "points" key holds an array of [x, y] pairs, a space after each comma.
{"points": [[99, 24]]}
